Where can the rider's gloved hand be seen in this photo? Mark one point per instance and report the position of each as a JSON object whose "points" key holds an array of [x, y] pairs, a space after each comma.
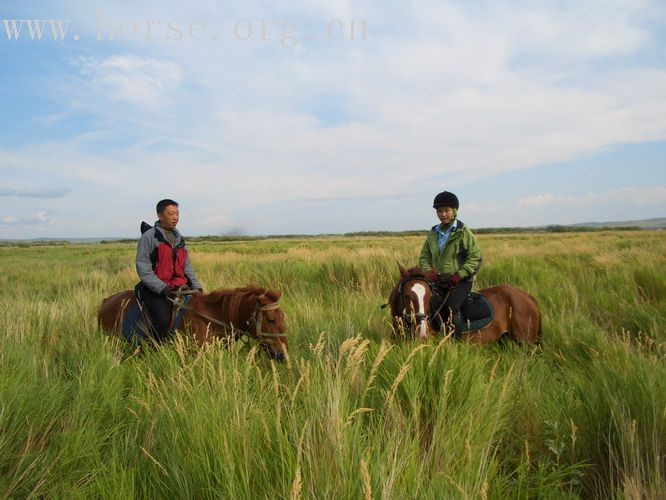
{"points": [[165, 292], [454, 280], [430, 276]]}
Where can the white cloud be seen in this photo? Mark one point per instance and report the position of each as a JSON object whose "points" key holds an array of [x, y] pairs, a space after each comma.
{"points": [[40, 218], [623, 196], [583, 32], [34, 192], [143, 82], [543, 199]]}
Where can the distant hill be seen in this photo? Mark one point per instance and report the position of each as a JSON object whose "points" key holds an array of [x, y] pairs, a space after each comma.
{"points": [[61, 241], [658, 223], [645, 224]]}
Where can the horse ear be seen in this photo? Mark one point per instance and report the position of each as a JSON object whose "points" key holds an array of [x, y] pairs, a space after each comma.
{"points": [[273, 295], [403, 271]]}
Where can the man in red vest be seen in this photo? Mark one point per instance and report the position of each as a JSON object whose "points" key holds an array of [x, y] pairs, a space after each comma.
{"points": [[163, 266]]}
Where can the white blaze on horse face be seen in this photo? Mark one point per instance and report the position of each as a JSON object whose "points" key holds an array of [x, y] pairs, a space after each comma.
{"points": [[420, 291]]}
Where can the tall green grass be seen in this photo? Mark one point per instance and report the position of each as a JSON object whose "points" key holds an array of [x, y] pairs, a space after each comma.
{"points": [[351, 414]]}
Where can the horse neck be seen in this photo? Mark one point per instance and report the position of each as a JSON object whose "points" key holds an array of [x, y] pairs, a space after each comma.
{"points": [[233, 306]]}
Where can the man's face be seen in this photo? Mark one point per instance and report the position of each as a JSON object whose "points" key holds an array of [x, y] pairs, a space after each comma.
{"points": [[169, 217], [445, 215]]}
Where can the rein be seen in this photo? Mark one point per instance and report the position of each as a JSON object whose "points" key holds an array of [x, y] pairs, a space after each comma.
{"points": [[259, 335], [446, 297]]}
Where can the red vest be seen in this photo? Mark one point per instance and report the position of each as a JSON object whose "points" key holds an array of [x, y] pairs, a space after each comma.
{"points": [[169, 263]]}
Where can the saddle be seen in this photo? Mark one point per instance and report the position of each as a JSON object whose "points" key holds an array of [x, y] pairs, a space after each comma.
{"points": [[475, 313], [137, 325]]}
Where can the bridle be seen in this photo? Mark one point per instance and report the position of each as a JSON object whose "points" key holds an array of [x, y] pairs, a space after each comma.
{"points": [[256, 318], [419, 317]]}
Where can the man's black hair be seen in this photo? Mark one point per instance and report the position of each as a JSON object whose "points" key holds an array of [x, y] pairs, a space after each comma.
{"points": [[162, 204]]}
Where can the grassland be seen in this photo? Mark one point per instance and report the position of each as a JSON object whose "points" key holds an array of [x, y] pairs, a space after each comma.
{"points": [[351, 414]]}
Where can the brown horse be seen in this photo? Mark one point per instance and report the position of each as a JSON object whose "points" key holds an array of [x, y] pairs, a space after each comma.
{"points": [[251, 311], [516, 313]]}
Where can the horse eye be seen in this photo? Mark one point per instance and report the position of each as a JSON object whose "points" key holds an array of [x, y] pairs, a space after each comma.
{"points": [[271, 321]]}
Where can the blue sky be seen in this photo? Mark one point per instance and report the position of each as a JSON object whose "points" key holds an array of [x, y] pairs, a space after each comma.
{"points": [[275, 118]]}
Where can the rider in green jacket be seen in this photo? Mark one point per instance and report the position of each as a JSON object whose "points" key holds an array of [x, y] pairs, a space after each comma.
{"points": [[450, 259]]}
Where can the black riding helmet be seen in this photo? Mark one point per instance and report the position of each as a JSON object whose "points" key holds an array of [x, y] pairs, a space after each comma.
{"points": [[446, 199]]}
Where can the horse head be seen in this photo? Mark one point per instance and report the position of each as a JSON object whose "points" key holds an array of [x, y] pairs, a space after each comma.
{"points": [[410, 303], [251, 312], [269, 326]]}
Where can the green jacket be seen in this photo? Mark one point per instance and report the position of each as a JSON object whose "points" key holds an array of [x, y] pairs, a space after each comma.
{"points": [[461, 253]]}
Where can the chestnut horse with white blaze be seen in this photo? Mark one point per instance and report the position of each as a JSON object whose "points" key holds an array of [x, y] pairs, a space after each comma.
{"points": [[251, 311], [514, 312]]}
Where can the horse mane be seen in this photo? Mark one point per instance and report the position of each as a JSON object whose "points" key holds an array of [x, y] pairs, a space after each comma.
{"points": [[247, 290], [231, 300]]}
